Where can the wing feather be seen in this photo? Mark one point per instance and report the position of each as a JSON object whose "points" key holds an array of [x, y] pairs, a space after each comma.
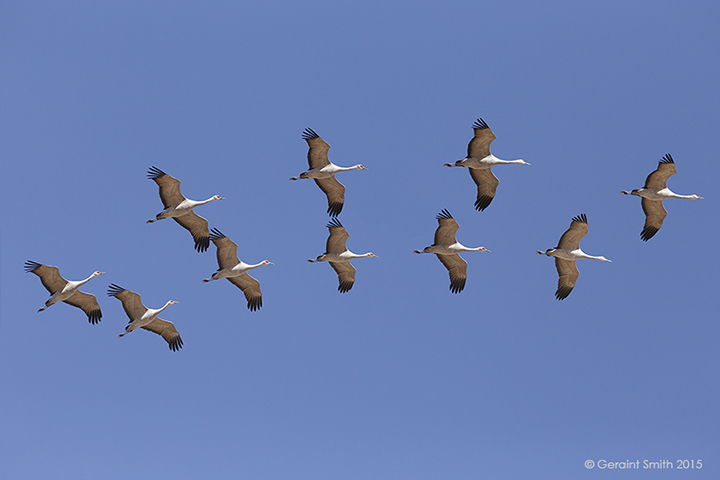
{"points": [[131, 302], [338, 235], [346, 275], [487, 184], [570, 240], [49, 276], [167, 330], [88, 304], [655, 213], [198, 228], [567, 275], [251, 288], [479, 146], [318, 151], [457, 269], [447, 226], [169, 187], [658, 179], [226, 250], [335, 192]]}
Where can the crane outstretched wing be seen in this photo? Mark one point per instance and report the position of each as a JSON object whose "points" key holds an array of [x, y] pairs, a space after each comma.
{"points": [[169, 187], [166, 330], [457, 268], [655, 213], [88, 304], [568, 275], [479, 146]]}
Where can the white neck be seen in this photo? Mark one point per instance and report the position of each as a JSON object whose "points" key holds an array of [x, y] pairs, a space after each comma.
{"points": [[170, 302], [203, 202], [693, 197], [499, 161], [463, 248], [249, 267], [82, 282], [585, 255], [356, 255]]}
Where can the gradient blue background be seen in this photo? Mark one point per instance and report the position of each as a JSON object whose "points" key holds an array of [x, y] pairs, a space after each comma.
{"points": [[399, 378]]}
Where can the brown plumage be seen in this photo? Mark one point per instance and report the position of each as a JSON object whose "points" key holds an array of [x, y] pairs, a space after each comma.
{"points": [[180, 208], [62, 290], [323, 171], [479, 161], [235, 271], [447, 249], [653, 194], [567, 253], [142, 317], [337, 254]]}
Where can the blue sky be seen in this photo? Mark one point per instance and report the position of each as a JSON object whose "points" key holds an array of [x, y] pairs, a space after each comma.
{"points": [[398, 378]]}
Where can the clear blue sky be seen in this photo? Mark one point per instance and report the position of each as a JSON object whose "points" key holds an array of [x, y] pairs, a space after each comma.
{"points": [[399, 378]]}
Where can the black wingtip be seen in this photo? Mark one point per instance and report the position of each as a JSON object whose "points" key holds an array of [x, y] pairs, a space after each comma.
{"points": [[647, 233], [457, 286], [580, 218], [443, 214], [94, 317], [254, 304], [667, 159], [216, 234], [154, 172], [334, 222], [176, 344], [482, 202], [309, 134], [562, 293], [202, 244], [345, 287], [113, 290], [480, 124], [334, 209], [30, 266]]}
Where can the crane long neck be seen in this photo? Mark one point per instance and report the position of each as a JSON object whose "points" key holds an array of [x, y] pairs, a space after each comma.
{"points": [[170, 302], [345, 169], [463, 248], [82, 282], [358, 255]]}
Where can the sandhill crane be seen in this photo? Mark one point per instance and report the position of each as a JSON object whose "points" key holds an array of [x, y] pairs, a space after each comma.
{"points": [[653, 194], [180, 208], [142, 317], [479, 161], [567, 252], [447, 249], [323, 172], [62, 290], [339, 256], [235, 271]]}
